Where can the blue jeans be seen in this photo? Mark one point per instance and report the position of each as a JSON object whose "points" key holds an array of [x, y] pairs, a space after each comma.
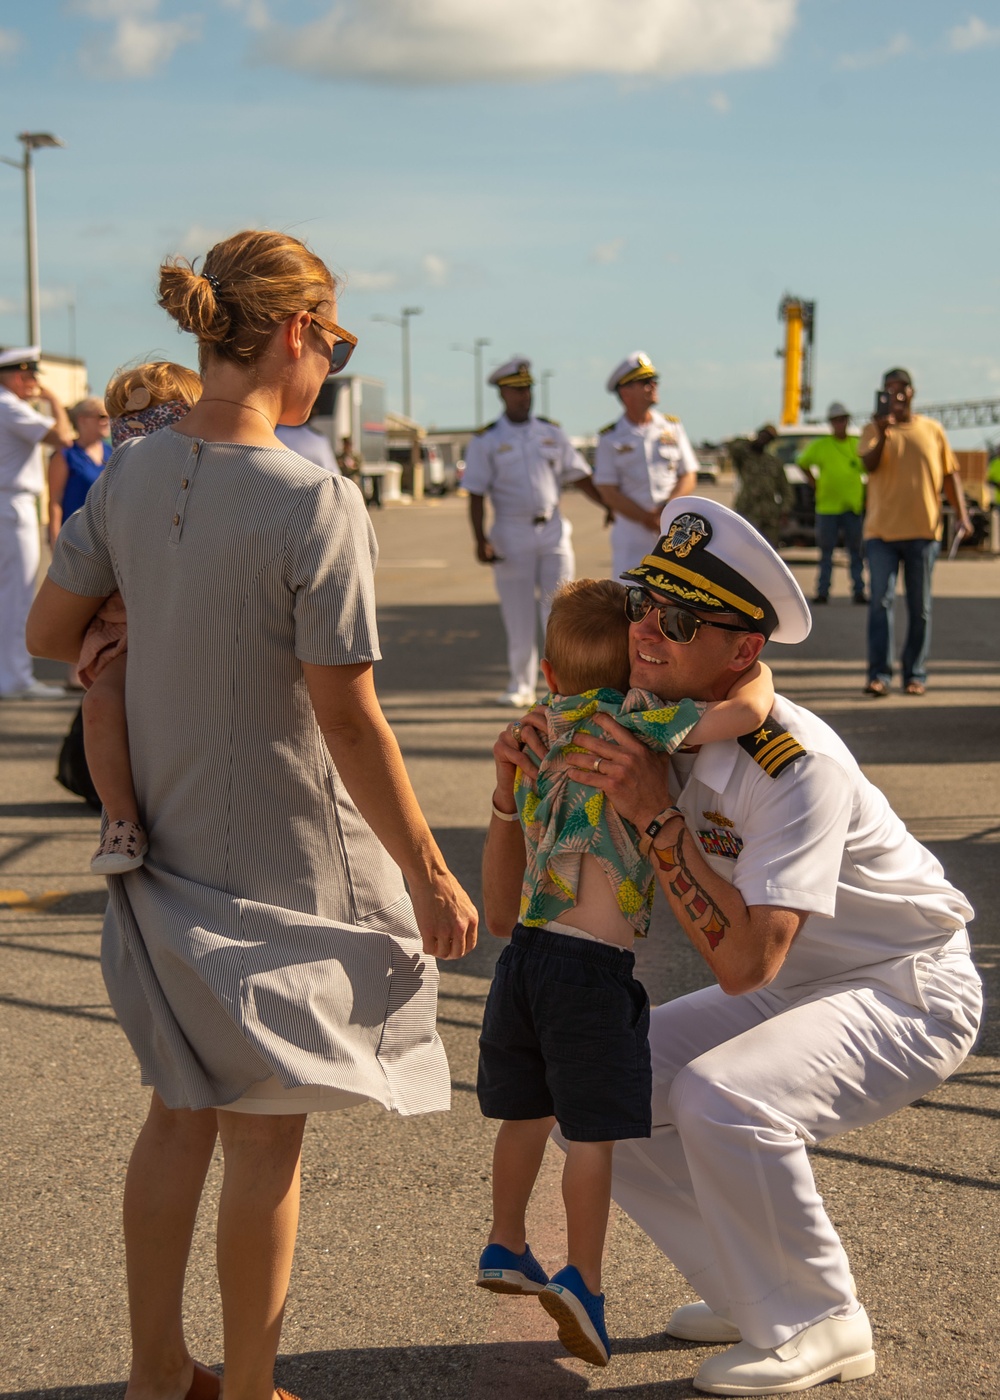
{"points": [[828, 527], [884, 558]]}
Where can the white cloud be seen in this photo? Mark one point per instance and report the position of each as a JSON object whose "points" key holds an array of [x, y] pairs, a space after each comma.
{"points": [[254, 13], [139, 44], [10, 43], [874, 58], [444, 41], [196, 240], [719, 102], [608, 252], [435, 269], [372, 281], [974, 34]]}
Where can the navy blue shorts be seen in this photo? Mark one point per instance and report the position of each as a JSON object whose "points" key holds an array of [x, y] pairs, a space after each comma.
{"points": [[566, 1034]]}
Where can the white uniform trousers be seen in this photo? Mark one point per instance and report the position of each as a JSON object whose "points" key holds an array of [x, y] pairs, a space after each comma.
{"points": [[740, 1086], [20, 555], [536, 560], [630, 543]]}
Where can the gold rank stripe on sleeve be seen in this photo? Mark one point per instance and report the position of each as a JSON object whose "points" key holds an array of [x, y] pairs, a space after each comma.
{"points": [[772, 747]]}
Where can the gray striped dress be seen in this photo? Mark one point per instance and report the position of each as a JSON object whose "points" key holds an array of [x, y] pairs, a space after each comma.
{"points": [[269, 938]]}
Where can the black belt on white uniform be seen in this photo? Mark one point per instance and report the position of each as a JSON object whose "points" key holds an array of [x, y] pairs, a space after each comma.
{"points": [[540, 519]]}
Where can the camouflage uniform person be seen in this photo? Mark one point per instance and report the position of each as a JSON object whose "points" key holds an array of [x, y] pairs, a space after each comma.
{"points": [[764, 493]]}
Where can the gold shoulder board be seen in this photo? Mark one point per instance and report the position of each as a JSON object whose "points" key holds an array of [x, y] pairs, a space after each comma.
{"points": [[551, 421], [486, 427], [772, 747], [607, 428]]}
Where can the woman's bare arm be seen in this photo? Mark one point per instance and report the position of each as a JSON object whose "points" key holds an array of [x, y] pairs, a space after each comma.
{"points": [[58, 477], [368, 759], [57, 622]]}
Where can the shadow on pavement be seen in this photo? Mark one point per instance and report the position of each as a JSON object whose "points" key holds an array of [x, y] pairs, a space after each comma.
{"points": [[445, 1372]]}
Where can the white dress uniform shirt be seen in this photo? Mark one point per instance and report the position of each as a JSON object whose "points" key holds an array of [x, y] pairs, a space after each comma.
{"points": [[876, 1003], [523, 467], [644, 462], [22, 479]]}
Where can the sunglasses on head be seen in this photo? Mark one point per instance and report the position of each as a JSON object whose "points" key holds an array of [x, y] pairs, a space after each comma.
{"points": [[675, 623], [343, 344]]}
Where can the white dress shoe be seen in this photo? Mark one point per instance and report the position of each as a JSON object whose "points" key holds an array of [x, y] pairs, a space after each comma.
{"points": [[517, 699], [37, 690], [696, 1322], [838, 1348]]}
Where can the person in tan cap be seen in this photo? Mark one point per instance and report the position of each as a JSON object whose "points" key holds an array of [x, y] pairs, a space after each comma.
{"points": [[644, 460]]}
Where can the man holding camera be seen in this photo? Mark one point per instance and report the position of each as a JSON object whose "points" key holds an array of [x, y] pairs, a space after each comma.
{"points": [[909, 463]]}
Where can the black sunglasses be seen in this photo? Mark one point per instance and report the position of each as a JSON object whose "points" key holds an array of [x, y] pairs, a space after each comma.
{"points": [[675, 623], [343, 344]]}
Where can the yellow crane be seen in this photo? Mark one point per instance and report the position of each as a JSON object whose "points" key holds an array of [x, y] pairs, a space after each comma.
{"points": [[799, 318]]}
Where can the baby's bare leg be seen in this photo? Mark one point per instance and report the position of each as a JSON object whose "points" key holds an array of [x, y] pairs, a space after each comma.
{"points": [[105, 737]]}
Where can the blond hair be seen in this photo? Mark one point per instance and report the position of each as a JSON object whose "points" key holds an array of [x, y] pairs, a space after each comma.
{"points": [[91, 404], [586, 640], [150, 385], [247, 286]]}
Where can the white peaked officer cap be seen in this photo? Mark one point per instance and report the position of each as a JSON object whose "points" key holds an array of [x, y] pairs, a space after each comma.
{"points": [[634, 367], [515, 374], [710, 558], [21, 357]]}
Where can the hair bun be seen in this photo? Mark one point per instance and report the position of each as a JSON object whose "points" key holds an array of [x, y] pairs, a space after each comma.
{"points": [[191, 300]]}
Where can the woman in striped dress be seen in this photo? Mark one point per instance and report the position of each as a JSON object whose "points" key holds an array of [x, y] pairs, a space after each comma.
{"points": [[266, 961]]}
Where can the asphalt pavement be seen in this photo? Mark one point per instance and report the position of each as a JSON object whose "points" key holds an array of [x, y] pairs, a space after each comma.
{"points": [[395, 1210]]}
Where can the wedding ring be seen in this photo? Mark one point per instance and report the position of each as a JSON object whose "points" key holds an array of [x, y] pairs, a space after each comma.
{"points": [[515, 733], [597, 765]]}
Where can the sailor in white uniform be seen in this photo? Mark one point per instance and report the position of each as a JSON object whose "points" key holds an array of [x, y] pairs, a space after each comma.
{"points": [[522, 463], [845, 987], [23, 431], [644, 459]]}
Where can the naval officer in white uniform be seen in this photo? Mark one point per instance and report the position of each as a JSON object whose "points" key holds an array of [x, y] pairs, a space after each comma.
{"points": [[23, 432], [644, 460], [522, 463], [845, 989]]}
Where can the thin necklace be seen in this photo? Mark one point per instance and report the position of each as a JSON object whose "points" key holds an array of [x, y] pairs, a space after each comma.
{"points": [[236, 404]]}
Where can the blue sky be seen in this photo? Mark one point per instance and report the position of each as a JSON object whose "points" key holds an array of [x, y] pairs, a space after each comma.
{"points": [[573, 179]]}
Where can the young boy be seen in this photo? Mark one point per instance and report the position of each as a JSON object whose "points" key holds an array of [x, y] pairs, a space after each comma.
{"points": [[566, 1023]]}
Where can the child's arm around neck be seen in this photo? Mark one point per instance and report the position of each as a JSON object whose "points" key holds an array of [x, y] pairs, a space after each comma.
{"points": [[745, 708]]}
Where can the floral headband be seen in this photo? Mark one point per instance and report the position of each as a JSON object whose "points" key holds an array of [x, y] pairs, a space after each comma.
{"points": [[147, 420]]}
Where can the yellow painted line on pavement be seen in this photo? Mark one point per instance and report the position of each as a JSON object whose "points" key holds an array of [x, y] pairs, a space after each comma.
{"points": [[19, 899]]}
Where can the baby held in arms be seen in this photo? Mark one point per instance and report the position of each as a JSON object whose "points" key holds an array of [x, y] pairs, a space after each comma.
{"points": [[140, 401]]}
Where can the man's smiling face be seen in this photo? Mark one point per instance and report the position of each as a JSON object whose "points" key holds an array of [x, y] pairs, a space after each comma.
{"points": [[703, 669]]}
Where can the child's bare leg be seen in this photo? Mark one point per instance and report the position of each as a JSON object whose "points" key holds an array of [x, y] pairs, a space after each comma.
{"points": [[586, 1187], [105, 737], [517, 1157]]}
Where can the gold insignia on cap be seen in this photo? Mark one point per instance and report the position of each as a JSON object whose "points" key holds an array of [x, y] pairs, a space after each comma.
{"points": [[685, 534]]}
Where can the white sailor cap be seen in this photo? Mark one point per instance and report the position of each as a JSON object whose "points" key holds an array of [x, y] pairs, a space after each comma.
{"points": [[636, 366], [514, 374], [711, 559], [21, 357]]}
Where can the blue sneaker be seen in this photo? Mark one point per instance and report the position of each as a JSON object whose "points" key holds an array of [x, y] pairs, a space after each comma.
{"points": [[504, 1272], [580, 1315]]}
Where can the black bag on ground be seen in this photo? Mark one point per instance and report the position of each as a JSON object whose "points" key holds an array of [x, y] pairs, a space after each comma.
{"points": [[72, 770]]}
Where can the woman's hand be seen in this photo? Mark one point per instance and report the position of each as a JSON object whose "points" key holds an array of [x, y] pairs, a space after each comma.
{"points": [[446, 916], [635, 780]]}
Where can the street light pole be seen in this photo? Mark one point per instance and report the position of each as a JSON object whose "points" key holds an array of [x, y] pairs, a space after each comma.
{"points": [[403, 322], [32, 141], [476, 351]]}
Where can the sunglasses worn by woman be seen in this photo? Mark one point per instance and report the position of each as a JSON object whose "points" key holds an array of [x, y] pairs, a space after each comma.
{"points": [[677, 624]]}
